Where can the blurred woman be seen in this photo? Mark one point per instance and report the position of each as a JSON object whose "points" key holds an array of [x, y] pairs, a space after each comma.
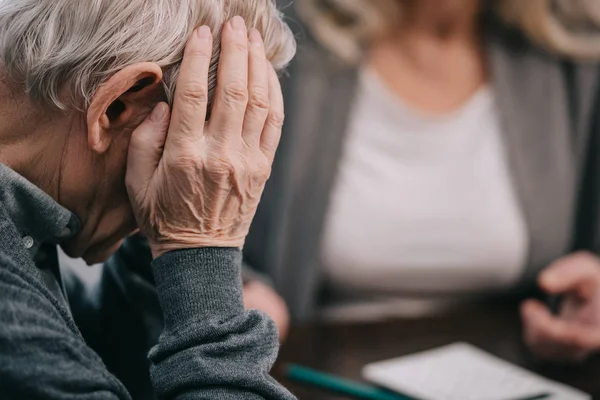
{"points": [[437, 151]]}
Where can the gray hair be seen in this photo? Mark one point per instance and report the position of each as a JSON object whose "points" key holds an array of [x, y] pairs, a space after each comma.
{"points": [[568, 28], [62, 50]]}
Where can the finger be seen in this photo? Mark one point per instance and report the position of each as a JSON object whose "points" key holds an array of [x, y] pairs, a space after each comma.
{"points": [[258, 84], [536, 321], [191, 95], [533, 314], [272, 130], [540, 323], [578, 273], [146, 148], [543, 328], [231, 98]]}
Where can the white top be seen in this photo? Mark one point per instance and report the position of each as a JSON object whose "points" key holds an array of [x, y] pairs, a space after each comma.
{"points": [[423, 204]]}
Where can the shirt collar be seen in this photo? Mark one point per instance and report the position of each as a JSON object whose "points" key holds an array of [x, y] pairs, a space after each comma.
{"points": [[38, 217]]}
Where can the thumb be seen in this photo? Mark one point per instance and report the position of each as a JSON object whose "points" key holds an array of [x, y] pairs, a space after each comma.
{"points": [[146, 148]]}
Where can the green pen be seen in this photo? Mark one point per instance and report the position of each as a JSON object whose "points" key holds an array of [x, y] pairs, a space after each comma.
{"points": [[339, 385], [537, 397]]}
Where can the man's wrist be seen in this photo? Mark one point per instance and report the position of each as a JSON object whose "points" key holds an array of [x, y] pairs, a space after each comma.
{"points": [[197, 283], [162, 247]]}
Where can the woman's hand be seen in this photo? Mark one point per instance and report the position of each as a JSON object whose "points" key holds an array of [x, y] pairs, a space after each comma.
{"points": [[260, 296], [574, 333], [195, 184]]}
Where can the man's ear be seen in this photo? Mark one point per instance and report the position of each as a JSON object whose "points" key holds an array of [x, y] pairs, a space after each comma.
{"points": [[122, 103]]}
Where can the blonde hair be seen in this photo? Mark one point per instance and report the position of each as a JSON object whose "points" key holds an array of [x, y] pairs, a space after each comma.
{"points": [[62, 50], [566, 28]]}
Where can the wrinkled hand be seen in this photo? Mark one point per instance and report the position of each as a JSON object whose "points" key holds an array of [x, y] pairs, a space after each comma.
{"points": [[195, 184], [260, 296], [574, 333]]}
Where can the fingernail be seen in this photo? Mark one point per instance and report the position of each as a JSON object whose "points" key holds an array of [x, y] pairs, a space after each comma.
{"points": [[238, 24], [255, 37], [159, 112], [203, 32]]}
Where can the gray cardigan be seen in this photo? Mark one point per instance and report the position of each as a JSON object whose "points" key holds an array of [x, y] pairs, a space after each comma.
{"points": [[210, 348], [548, 109]]}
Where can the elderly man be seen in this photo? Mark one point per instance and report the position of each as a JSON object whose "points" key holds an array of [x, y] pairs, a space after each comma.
{"points": [[90, 152]]}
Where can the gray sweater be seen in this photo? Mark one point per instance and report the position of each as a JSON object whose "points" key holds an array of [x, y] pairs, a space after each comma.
{"points": [[210, 348]]}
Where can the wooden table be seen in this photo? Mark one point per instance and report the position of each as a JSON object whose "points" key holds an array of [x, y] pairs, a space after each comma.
{"points": [[345, 349]]}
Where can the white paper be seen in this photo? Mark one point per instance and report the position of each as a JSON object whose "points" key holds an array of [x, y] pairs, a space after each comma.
{"points": [[461, 371]]}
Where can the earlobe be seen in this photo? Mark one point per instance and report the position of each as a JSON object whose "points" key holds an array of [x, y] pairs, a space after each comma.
{"points": [[121, 101]]}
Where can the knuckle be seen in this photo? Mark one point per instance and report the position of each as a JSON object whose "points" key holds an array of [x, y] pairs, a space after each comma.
{"points": [[219, 165], [184, 161], [258, 101], [262, 171], [235, 94], [239, 46], [194, 93], [263, 174], [276, 119], [198, 54]]}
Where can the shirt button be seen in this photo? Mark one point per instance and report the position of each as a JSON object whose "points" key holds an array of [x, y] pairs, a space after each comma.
{"points": [[28, 242]]}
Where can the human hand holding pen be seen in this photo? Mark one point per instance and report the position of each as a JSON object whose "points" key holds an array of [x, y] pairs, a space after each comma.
{"points": [[574, 333]]}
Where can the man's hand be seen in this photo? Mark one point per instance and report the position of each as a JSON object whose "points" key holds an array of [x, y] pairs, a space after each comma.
{"points": [[195, 184], [574, 333], [260, 296]]}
